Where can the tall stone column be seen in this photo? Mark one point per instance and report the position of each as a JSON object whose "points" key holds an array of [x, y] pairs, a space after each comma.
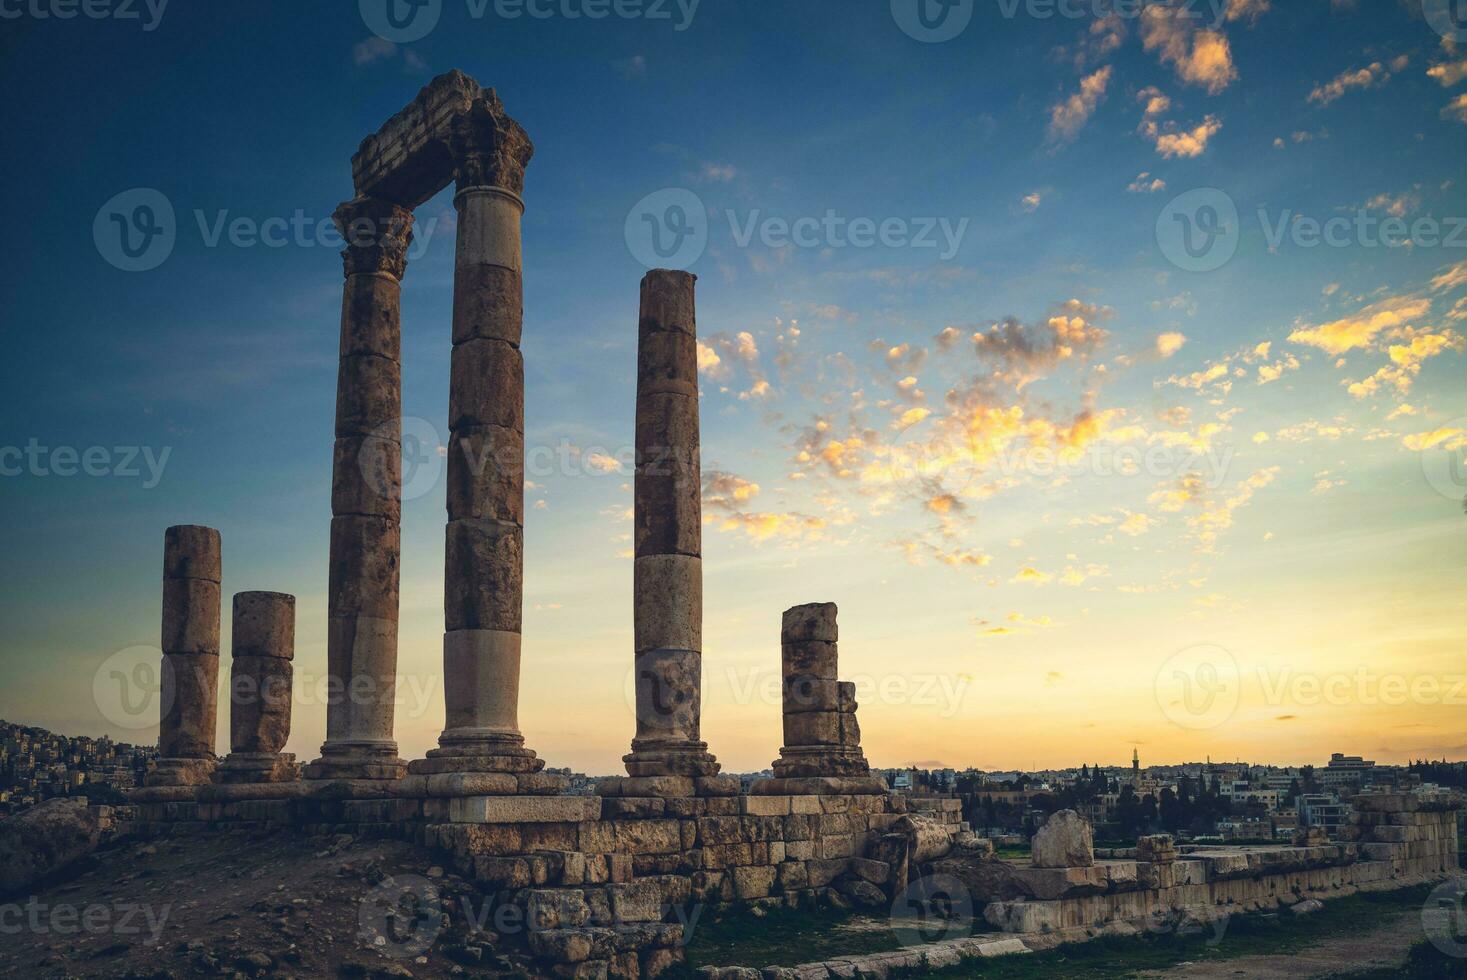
{"points": [[366, 498], [668, 569], [260, 688], [192, 570], [484, 548]]}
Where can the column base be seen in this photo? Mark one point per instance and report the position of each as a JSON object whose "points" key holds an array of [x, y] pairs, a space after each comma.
{"points": [[670, 759], [182, 772], [355, 761], [814, 761], [478, 751], [257, 767]]}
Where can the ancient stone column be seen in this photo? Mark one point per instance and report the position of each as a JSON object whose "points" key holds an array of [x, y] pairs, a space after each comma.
{"points": [[192, 570], [668, 569], [484, 548], [821, 735], [260, 685], [366, 498]]}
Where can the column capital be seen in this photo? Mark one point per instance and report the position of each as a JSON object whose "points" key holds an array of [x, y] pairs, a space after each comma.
{"points": [[377, 235], [489, 148]]}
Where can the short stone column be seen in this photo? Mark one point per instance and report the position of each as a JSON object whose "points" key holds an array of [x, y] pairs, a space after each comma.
{"points": [[366, 499], [667, 577], [484, 547], [192, 570], [821, 735], [260, 688]]}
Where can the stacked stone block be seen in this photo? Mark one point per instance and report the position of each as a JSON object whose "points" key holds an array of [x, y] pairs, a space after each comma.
{"points": [[668, 570], [484, 552], [821, 735], [260, 689], [192, 572], [366, 498]]}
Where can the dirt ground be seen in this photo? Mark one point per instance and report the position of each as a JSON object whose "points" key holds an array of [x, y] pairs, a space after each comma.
{"points": [[1385, 945], [249, 905]]}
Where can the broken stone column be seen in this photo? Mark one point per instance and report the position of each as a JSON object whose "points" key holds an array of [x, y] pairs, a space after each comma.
{"points": [[366, 498], [821, 735], [668, 569], [484, 554], [260, 686], [192, 570]]}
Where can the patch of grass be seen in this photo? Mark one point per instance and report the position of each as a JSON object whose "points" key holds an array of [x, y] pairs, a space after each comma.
{"points": [[1243, 935], [788, 937], [1425, 962]]}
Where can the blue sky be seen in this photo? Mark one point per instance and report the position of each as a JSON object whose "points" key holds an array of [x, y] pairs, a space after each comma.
{"points": [[1047, 606]]}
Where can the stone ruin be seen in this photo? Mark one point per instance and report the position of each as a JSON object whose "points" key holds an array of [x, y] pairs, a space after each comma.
{"points": [[603, 879], [598, 875]]}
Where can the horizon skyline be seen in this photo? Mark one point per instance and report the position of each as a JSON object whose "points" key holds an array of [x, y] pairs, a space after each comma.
{"points": [[1075, 372]]}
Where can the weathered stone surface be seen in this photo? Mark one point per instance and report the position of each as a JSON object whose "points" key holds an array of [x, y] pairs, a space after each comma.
{"points": [[639, 901], [259, 703], [1065, 841], [483, 696], [664, 356], [190, 616], [368, 395], [377, 234], [483, 585], [668, 302], [45, 839], [815, 659], [263, 625], [364, 570], [668, 511], [524, 809], [1156, 849], [192, 551], [669, 695], [486, 474], [189, 706], [556, 908], [753, 882], [812, 728], [811, 621], [807, 693], [366, 475], [668, 604], [362, 664], [486, 385], [371, 317], [488, 303]]}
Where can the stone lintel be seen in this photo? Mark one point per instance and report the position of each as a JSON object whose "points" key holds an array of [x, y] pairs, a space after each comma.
{"points": [[409, 158]]}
